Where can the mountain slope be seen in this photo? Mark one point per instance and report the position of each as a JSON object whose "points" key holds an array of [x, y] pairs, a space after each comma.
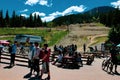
{"points": [[86, 17], [102, 9]]}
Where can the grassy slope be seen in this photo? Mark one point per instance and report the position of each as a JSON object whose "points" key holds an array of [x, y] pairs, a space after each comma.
{"points": [[51, 37]]}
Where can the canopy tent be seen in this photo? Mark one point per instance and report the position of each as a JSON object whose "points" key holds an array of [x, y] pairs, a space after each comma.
{"points": [[118, 45], [4, 42]]}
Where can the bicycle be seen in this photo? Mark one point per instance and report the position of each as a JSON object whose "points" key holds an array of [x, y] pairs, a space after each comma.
{"points": [[22, 51], [107, 65]]}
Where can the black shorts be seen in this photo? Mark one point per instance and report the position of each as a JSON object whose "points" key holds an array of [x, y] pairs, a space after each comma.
{"points": [[114, 61]]}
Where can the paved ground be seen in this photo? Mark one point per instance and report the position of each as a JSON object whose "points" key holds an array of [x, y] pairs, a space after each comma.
{"points": [[93, 72]]}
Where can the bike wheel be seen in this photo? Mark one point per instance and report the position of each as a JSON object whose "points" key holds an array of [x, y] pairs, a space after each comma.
{"points": [[103, 64]]}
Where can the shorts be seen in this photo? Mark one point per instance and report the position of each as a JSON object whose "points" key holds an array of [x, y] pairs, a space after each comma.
{"points": [[45, 67], [114, 61]]}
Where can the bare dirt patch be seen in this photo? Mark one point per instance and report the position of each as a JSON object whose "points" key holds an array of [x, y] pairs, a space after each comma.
{"points": [[80, 34]]}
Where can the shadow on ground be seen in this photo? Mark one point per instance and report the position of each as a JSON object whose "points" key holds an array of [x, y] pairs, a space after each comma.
{"points": [[68, 66], [15, 64], [111, 73], [28, 76]]}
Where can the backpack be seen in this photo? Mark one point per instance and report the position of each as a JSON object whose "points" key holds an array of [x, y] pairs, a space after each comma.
{"points": [[41, 54], [10, 49]]}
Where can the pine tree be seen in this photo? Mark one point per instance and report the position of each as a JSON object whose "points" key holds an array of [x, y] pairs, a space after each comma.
{"points": [[1, 18], [39, 21], [7, 19], [13, 24]]}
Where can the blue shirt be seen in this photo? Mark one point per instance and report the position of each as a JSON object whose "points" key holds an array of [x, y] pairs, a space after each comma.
{"points": [[14, 49], [31, 47]]}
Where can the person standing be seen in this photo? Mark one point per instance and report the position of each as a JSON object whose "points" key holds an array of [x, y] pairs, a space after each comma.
{"points": [[114, 60], [13, 53], [103, 49], [0, 53], [84, 48], [45, 61], [31, 47], [1, 47], [35, 59], [27, 44], [96, 49]]}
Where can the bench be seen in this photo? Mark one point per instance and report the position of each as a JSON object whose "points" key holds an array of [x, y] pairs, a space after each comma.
{"points": [[87, 58]]}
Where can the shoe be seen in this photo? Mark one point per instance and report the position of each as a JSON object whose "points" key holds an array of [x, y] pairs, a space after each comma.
{"points": [[116, 72], [53, 63], [37, 75], [30, 73], [48, 78], [11, 65], [40, 77]]}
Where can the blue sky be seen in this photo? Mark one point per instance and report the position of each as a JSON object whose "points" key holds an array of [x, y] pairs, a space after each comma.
{"points": [[50, 9]]}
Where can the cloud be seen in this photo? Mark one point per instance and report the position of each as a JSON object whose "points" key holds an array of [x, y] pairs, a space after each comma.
{"points": [[116, 4], [31, 2], [25, 10], [57, 13], [38, 13], [25, 15], [48, 18], [47, 3], [68, 11], [71, 9], [43, 2]]}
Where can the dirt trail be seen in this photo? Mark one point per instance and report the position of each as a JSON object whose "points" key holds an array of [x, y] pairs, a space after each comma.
{"points": [[92, 39], [80, 34]]}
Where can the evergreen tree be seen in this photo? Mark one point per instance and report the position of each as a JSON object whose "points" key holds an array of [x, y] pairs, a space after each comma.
{"points": [[45, 24], [39, 21], [116, 18], [31, 21], [114, 34], [13, 24], [34, 20], [7, 19], [1, 18], [22, 21]]}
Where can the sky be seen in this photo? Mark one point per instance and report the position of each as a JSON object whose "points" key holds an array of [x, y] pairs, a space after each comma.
{"points": [[50, 9]]}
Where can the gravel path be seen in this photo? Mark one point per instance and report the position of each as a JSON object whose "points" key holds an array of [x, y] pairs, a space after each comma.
{"points": [[93, 72]]}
